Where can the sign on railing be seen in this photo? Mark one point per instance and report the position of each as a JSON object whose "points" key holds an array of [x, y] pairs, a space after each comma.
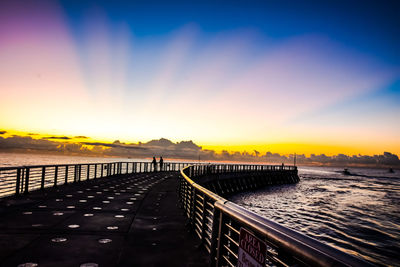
{"points": [[252, 250], [235, 236]]}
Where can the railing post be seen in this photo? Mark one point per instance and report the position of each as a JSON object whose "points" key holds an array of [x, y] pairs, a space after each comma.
{"points": [[43, 177], [26, 180], [193, 206], [18, 181], [79, 172], [95, 171], [216, 236], [203, 228], [75, 173], [66, 174], [88, 171], [21, 188], [55, 176]]}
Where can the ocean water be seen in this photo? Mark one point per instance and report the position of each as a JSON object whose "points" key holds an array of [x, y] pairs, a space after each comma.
{"points": [[358, 214], [20, 159], [23, 159]]}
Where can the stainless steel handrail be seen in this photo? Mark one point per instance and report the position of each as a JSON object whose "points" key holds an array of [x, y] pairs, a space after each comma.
{"points": [[218, 226], [24, 179]]}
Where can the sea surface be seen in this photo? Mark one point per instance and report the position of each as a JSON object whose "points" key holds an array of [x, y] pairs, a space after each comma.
{"points": [[20, 159], [358, 214]]}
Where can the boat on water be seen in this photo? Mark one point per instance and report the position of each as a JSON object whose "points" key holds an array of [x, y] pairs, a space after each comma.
{"points": [[346, 172], [391, 170]]}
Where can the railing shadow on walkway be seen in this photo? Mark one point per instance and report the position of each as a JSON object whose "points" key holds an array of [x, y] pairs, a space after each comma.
{"points": [[216, 221]]}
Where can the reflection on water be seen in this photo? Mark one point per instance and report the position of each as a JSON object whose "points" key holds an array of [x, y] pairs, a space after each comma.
{"points": [[20, 159], [358, 214], [23, 159]]}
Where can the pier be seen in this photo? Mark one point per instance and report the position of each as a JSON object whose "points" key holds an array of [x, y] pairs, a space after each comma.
{"points": [[125, 214]]}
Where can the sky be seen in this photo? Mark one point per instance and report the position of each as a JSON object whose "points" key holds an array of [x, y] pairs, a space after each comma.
{"points": [[306, 77]]}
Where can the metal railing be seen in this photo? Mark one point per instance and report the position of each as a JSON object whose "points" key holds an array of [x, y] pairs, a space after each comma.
{"points": [[217, 222], [23, 179]]}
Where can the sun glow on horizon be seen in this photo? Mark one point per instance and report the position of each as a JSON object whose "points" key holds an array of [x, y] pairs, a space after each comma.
{"points": [[281, 148], [239, 90]]}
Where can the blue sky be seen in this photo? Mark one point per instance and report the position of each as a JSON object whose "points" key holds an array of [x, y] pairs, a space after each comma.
{"points": [[371, 27], [287, 74]]}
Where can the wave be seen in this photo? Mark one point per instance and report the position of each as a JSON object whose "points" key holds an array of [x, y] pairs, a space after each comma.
{"points": [[357, 214]]}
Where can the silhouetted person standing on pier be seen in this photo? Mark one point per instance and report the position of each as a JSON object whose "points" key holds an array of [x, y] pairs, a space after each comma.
{"points": [[154, 162], [161, 163]]}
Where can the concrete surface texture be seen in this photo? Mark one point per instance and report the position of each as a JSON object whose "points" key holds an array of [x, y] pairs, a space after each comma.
{"points": [[131, 220]]}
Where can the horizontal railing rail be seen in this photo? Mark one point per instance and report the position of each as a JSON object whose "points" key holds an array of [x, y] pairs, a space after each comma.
{"points": [[217, 222], [24, 179]]}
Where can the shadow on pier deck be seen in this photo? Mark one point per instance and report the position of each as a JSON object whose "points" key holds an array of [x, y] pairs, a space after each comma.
{"points": [[131, 220]]}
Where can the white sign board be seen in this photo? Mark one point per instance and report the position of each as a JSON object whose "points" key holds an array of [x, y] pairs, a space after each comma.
{"points": [[252, 250]]}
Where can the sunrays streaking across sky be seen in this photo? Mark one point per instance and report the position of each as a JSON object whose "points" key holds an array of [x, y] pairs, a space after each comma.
{"points": [[267, 77]]}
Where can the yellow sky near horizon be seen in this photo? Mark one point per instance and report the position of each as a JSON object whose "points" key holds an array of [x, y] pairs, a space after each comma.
{"points": [[237, 89], [281, 148]]}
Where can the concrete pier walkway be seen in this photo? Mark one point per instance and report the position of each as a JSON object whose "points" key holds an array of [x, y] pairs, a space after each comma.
{"points": [[131, 220]]}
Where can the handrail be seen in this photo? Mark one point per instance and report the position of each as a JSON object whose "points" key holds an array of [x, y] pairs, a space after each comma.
{"points": [[217, 223], [87, 163], [24, 179]]}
